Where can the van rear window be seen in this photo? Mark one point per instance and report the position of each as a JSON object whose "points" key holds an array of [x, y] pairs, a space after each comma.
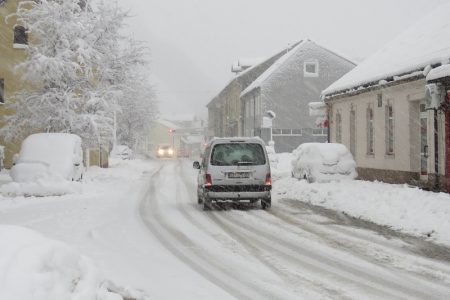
{"points": [[234, 154]]}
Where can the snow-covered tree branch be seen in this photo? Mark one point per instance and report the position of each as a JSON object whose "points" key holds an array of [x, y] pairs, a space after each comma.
{"points": [[79, 71]]}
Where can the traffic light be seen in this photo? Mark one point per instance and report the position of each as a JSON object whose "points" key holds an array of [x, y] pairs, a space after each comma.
{"points": [[171, 130]]}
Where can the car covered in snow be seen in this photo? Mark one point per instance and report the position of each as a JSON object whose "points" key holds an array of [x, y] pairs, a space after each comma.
{"points": [[234, 170], [52, 156], [122, 152], [323, 162]]}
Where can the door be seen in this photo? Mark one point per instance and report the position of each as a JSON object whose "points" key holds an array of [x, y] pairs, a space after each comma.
{"points": [[423, 142]]}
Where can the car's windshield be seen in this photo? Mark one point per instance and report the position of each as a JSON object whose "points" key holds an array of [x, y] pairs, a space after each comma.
{"points": [[238, 154]]}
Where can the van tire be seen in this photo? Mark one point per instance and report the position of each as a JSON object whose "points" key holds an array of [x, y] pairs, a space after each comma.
{"points": [[266, 203], [206, 206]]}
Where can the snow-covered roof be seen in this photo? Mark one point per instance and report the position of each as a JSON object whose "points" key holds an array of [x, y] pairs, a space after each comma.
{"points": [[257, 83], [167, 124], [425, 43], [439, 72]]}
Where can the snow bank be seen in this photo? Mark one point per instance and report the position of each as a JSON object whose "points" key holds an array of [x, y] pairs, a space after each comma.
{"points": [[40, 188], [410, 210], [35, 267]]}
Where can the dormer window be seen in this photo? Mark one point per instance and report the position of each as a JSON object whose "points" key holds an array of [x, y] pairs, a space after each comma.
{"points": [[20, 37], [311, 68]]}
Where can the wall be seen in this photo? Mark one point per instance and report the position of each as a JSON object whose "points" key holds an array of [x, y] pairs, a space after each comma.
{"points": [[9, 58], [404, 164]]}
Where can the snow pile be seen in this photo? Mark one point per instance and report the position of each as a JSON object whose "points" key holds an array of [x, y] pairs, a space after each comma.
{"points": [[41, 188], [410, 210], [35, 267], [439, 72], [421, 45], [280, 164], [323, 162]]}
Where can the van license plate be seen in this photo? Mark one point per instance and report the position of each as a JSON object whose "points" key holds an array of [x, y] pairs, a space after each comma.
{"points": [[239, 175]]}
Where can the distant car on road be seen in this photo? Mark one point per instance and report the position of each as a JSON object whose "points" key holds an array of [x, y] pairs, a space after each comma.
{"points": [[49, 156], [234, 169], [323, 162], [165, 151]]}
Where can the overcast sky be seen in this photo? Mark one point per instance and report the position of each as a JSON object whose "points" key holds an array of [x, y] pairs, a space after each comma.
{"points": [[194, 42]]}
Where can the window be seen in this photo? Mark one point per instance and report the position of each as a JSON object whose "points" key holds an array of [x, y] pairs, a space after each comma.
{"points": [[276, 131], [237, 154], [338, 128], [389, 129], [2, 91], [370, 132], [296, 132], [353, 132], [380, 100], [311, 69], [320, 132], [20, 37], [286, 131]]}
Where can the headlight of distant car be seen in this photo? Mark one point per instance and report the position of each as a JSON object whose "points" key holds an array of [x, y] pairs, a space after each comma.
{"points": [[170, 151], [161, 151]]}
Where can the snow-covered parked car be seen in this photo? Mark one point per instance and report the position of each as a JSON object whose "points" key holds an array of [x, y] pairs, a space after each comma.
{"points": [[52, 156], [323, 162], [122, 152]]}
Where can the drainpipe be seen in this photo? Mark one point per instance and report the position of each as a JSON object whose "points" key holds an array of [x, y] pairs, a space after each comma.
{"points": [[329, 123], [436, 152]]}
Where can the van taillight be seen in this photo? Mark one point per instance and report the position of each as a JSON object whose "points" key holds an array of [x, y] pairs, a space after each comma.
{"points": [[268, 180], [208, 180]]}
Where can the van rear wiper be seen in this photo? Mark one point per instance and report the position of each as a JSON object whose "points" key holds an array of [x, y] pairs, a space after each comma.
{"points": [[241, 163]]}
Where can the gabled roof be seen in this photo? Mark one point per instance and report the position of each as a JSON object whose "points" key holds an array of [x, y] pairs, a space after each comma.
{"points": [[273, 68], [239, 77], [425, 44]]}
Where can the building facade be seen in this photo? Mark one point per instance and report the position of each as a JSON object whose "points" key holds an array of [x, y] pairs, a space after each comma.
{"points": [[285, 89], [224, 110], [13, 41], [383, 109]]}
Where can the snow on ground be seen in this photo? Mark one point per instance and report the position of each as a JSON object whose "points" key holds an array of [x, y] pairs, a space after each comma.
{"points": [[35, 267], [102, 222], [401, 207]]}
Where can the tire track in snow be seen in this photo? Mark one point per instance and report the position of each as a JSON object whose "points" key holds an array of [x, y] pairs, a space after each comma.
{"points": [[351, 242], [388, 286], [182, 247], [292, 279]]}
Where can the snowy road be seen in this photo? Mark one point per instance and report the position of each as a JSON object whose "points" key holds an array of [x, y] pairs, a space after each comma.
{"points": [[140, 223], [288, 252]]}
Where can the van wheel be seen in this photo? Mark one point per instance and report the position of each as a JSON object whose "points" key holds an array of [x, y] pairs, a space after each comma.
{"points": [[199, 197], [207, 204], [266, 203]]}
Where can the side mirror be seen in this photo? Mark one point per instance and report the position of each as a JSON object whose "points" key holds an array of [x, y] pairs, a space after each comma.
{"points": [[196, 165]]}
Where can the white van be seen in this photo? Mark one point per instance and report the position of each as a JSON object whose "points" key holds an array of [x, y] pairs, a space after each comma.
{"points": [[49, 156], [234, 169]]}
